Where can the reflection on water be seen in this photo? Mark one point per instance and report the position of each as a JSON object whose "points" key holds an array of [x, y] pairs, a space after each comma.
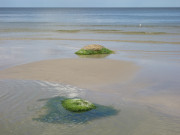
{"points": [[21, 101], [94, 56]]}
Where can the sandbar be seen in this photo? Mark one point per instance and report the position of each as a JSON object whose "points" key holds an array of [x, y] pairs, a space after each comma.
{"points": [[81, 72]]}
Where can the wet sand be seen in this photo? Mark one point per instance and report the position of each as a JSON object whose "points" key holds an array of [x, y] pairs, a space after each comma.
{"points": [[105, 75], [84, 73]]}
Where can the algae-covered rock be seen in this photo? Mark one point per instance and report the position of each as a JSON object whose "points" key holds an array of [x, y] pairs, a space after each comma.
{"points": [[54, 112], [94, 49], [77, 105]]}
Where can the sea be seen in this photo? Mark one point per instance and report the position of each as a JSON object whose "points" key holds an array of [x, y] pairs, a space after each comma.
{"points": [[138, 31], [148, 37]]}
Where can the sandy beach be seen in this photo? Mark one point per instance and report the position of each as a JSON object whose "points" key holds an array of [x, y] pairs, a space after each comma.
{"points": [[84, 73]]}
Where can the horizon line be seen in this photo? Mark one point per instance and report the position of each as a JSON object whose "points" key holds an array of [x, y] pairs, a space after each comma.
{"points": [[91, 7]]}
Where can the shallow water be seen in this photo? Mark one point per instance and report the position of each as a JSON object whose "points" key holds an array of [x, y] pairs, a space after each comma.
{"points": [[33, 34], [148, 104], [21, 101], [54, 112]]}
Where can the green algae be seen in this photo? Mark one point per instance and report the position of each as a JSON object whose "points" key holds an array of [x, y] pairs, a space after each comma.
{"points": [[92, 52], [56, 113], [77, 105], [68, 31]]}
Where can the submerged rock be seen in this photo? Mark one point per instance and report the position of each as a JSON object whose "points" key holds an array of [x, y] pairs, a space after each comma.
{"points": [[54, 112], [77, 105], [94, 49]]}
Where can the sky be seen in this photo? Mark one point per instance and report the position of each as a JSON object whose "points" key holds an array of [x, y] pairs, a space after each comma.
{"points": [[89, 3]]}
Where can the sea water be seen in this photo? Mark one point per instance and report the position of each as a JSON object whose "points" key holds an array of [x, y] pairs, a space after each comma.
{"points": [[31, 34], [22, 112], [149, 37]]}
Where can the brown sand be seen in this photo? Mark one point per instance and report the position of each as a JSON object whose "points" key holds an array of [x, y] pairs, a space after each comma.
{"points": [[85, 73]]}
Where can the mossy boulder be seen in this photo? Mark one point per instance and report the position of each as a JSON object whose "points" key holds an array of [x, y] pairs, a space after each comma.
{"points": [[54, 112], [93, 49], [77, 105]]}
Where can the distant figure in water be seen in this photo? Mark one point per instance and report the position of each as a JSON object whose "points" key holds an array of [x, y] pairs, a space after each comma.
{"points": [[140, 25]]}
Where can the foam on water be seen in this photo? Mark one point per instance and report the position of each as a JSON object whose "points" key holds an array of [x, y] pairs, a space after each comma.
{"points": [[63, 89]]}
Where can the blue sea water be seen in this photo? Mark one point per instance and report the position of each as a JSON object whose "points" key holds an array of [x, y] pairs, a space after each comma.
{"points": [[93, 16], [124, 21], [89, 18]]}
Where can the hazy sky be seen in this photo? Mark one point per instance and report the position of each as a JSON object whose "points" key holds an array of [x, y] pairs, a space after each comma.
{"points": [[89, 3]]}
